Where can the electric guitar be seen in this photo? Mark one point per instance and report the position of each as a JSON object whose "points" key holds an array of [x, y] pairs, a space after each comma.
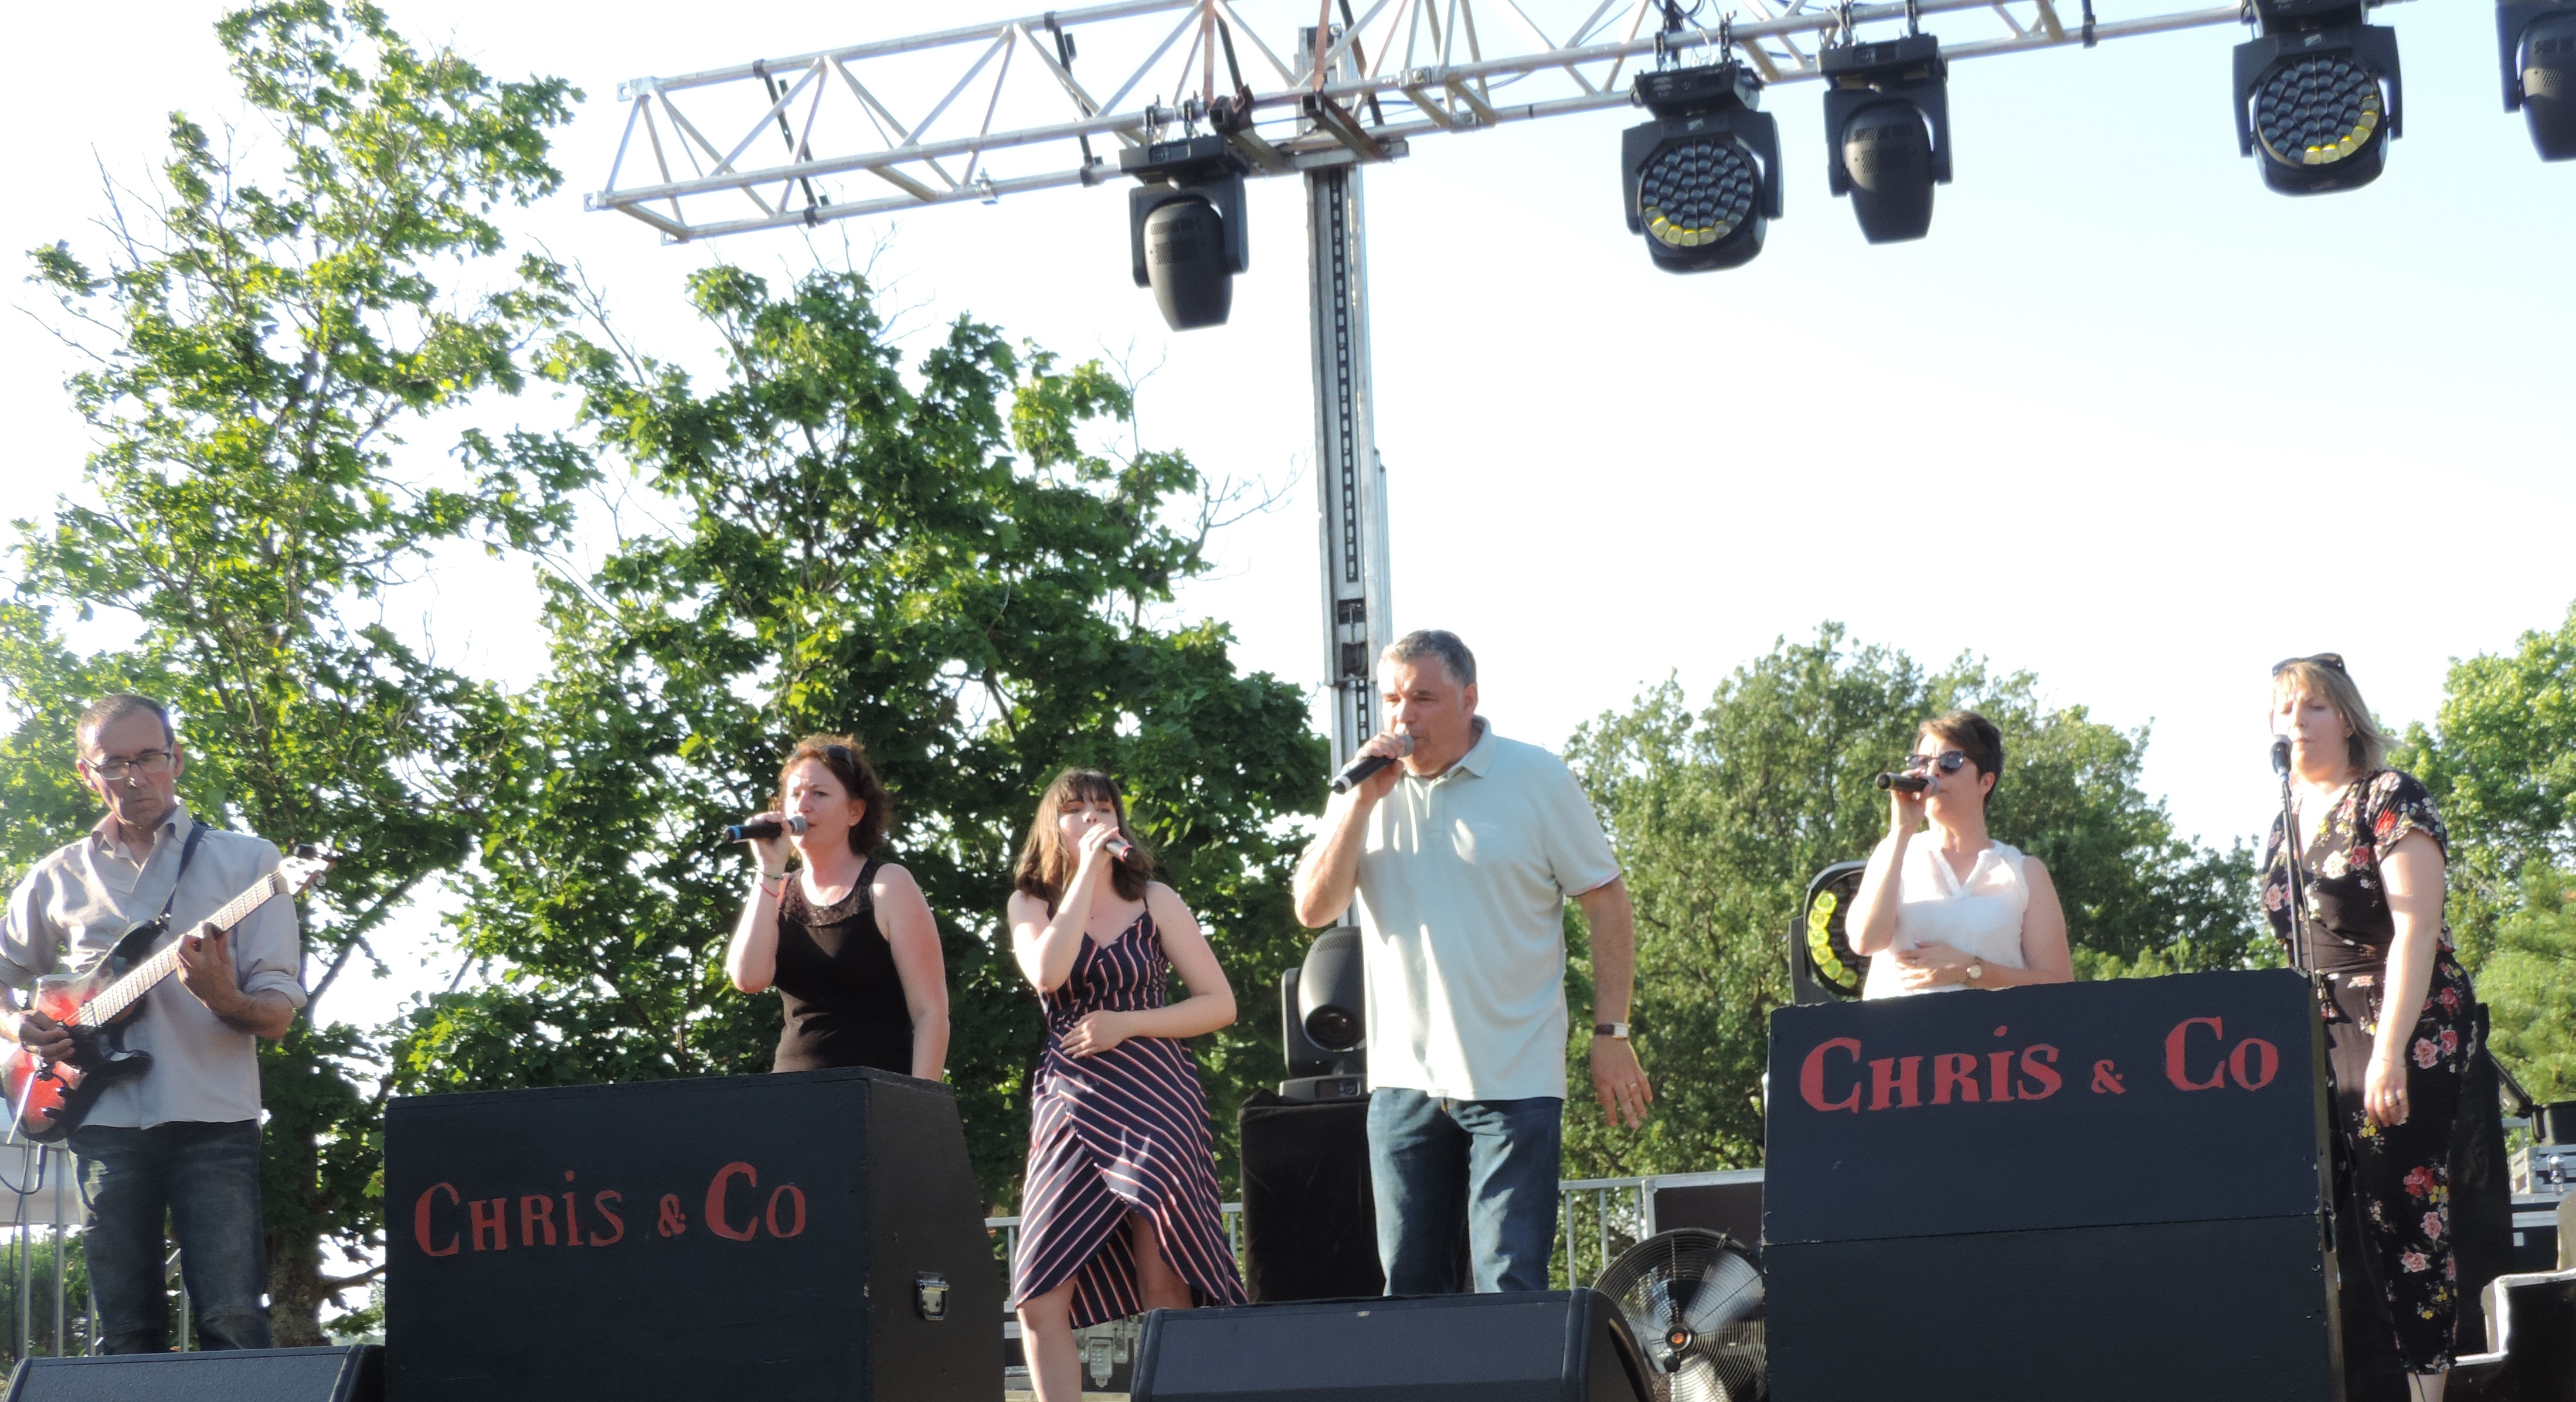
{"points": [[49, 1099]]}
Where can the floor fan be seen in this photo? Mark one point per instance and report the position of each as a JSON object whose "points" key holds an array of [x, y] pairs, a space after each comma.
{"points": [[1694, 1301]]}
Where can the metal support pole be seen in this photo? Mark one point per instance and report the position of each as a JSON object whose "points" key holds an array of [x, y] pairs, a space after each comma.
{"points": [[1351, 482]]}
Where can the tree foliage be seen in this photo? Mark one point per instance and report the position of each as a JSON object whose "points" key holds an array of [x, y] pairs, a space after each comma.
{"points": [[1722, 816], [262, 331], [933, 558], [2500, 761]]}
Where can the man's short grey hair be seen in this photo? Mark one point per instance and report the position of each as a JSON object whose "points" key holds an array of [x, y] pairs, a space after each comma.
{"points": [[1454, 657], [108, 710]]}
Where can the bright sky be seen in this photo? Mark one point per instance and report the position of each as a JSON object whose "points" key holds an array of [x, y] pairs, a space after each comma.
{"points": [[2125, 419]]}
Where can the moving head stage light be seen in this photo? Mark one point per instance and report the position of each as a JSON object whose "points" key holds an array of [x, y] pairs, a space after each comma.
{"points": [[1185, 227], [1887, 132], [2317, 96], [1701, 181], [2536, 43]]}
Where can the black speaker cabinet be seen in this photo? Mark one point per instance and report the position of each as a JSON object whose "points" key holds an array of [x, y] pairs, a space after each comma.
{"points": [[243, 1375], [816, 1234], [2134, 1173], [1309, 1219], [1540, 1346], [1728, 1201]]}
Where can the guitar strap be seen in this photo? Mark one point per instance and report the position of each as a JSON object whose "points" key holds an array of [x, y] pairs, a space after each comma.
{"points": [[187, 854]]}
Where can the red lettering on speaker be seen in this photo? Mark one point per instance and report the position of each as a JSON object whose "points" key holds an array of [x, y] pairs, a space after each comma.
{"points": [[2039, 1074], [1999, 1076], [2267, 1059], [671, 1221], [1811, 1077], [600, 1203], [420, 1221], [795, 1197], [572, 1225], [1890, 1077], [1954, 1069], [2175, 1044], [536, 1210], [716, 1222], [497, 1222]]}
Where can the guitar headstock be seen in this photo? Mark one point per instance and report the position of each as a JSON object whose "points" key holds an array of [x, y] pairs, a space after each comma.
{"points": [[305, 870]]}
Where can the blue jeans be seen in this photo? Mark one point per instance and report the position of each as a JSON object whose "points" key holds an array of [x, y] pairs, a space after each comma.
{"points": [[205, 1179], [1489, 1165]]}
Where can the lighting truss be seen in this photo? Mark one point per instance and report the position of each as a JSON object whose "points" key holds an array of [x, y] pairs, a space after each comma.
{"points": [[999, 109]]}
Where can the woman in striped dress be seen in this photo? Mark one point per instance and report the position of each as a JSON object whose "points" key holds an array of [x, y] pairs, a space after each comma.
{"points": [[1120, 1210]]}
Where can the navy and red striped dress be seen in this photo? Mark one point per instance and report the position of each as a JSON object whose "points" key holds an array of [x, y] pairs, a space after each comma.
{"points": [[1116, 1133]]}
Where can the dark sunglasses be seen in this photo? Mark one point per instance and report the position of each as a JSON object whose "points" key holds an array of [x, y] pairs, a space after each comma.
{"points": [[1948, 761], [2331, 660]]}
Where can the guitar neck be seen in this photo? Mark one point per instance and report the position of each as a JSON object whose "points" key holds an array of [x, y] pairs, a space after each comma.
{"points": [[126, 991]]}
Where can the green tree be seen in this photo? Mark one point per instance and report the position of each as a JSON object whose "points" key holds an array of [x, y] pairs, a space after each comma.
{"points": [[2500, 760], [261, 335], [929, 557], [1722, 816]]}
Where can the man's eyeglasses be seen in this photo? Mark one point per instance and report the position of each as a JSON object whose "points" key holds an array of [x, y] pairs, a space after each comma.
{"points": [[2330, 660], [151, 764], [1948, 761]]}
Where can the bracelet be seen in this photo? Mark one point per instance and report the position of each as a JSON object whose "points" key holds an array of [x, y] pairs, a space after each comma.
{"points": [[767, 876]]}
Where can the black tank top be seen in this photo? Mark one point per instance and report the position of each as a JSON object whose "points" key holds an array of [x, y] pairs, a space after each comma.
{"points": [[836, 975]]}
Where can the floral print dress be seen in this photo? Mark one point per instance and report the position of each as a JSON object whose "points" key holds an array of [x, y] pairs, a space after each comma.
{"points": [[2401, 1175]]}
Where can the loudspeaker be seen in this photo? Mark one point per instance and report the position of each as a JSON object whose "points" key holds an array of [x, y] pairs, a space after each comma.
{"points": [[1309, 1218], [1728, 1202], [241, 1375], [2531, 1343], [2135, 1172], [816, 1234], [1539, 1346]]}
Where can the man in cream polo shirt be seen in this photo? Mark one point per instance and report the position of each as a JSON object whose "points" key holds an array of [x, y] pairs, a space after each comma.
{"points": [[1462, 857]]}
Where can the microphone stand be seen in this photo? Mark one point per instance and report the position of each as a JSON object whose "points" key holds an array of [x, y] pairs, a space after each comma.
{"points": [[2302, 945]]}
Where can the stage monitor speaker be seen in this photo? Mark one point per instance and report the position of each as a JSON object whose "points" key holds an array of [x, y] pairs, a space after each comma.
{"points": [[1309, 1218], [1728, 1202], [1538, 1346], [817, 1234], [354, 1374]]}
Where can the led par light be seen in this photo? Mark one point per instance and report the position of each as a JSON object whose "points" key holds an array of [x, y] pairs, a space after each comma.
{"points": [[2317, 96], [1701, 181], [2536, 42], [1887, 132], [1185, 228]]}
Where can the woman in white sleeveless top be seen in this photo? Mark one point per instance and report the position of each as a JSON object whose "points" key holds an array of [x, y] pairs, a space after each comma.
{"points": [[1948, 907]]}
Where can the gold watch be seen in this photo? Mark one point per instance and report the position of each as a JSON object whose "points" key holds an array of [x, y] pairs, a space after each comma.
{"points": [[1976, 970]]}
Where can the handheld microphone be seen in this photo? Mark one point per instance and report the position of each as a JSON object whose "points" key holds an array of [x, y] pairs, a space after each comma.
{"points": [[1119, 848], [745, 832], [2281, 755], [1910, 783], [1359, 770]]}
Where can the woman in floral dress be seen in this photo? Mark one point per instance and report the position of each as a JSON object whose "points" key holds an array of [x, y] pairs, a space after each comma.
{"points": [[2402, 1018]]}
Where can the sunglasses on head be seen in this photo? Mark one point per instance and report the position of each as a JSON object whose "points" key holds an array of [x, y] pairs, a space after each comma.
{"points": [[1948, 761], [2330, 660]]}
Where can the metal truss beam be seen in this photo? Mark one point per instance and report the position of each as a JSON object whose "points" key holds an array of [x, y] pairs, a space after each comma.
{"points": [[1015, 106]]}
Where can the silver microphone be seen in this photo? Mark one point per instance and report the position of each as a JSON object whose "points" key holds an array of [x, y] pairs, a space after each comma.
{"points": [[745, 832]]}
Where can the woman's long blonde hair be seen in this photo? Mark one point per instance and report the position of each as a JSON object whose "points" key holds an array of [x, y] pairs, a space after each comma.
{"points": [[2332, 684]]}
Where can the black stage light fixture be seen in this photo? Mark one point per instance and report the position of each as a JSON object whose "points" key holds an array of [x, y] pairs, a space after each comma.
{"points": [[2318, 97], [1887, 132], [2536, 42], [1702, 181], [1185, 227]]}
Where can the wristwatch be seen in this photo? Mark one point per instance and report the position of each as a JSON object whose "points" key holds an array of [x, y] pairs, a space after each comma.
{"points": [[1610, 1029], [1976, 970]]}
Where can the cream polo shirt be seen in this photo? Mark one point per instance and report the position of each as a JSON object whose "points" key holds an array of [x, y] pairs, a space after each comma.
{"points": [[1462, 888], [83, 898]]}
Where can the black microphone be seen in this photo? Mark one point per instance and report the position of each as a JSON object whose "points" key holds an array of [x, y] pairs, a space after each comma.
{"points": [[1911, 783], [745, 832], [2281, 755], [1359, 770]]}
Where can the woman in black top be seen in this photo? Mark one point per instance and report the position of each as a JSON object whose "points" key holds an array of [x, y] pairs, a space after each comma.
{"points": [[2402, 1025], [848, 941]]}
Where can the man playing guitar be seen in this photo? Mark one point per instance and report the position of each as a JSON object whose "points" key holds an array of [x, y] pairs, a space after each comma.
{"points": [[182, 1139]]}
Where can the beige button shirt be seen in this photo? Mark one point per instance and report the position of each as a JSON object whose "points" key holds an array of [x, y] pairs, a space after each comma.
{"points": [[1462, 888], [82, 899]]}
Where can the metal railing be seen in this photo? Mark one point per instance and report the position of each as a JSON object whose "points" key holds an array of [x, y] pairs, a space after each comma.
{"points": [[40, 1208]]}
